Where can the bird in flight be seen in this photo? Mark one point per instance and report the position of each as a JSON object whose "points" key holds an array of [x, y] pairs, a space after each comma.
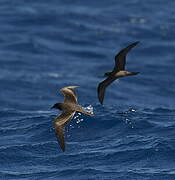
{"points": [[68, 107], [117, 72]]}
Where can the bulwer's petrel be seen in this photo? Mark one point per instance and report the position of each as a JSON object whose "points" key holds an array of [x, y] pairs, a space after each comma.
{"points": [[69, 107], [118, 71]]}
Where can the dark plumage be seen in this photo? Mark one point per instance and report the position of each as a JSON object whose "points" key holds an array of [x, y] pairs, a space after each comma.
{"points": [[117, 72]]}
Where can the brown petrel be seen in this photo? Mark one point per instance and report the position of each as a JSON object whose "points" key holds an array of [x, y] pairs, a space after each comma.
{"points": [[69, 107], [118, 71]]}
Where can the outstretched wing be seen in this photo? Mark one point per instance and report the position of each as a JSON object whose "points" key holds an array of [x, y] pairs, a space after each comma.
{"points": [[69, 94], [102, 87], [60, 136], [120, 58], [59, 124]]}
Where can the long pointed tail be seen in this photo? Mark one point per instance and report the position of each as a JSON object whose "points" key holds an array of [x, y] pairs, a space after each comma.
{"points": [[133, 73], [81, 110]]}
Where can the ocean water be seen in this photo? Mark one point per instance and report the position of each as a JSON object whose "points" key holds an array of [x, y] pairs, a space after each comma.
{"points": [[46, 45]]}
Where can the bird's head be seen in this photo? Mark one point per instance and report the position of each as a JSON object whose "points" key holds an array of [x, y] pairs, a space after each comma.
{"points": [[57, 106]]}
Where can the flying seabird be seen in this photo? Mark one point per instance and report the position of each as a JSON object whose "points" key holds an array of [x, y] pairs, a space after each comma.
{"points": [[118, 71], [69, 107]]}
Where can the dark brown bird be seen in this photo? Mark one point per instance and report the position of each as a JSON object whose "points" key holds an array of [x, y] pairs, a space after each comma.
{"points": [[118, 71], [69, 107]]}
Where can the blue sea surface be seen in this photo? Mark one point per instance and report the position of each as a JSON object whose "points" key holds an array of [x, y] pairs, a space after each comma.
{"points": [[47, 45]]}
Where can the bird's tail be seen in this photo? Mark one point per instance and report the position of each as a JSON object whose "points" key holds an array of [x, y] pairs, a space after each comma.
{"points": [[81, 110], [133, 73]]}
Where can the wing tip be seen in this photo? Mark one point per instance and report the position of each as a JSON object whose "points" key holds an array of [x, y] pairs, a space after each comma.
{"points": [[135, 43], [101, 101], [100, 94], [59, 130], [100, 98], [69, 87], [63, 149]]}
